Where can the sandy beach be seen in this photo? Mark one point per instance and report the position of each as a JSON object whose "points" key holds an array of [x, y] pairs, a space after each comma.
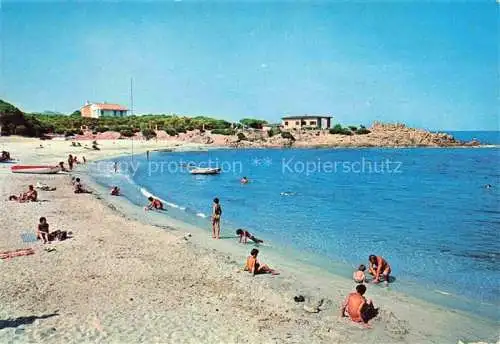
{"points": [[126, 277]]}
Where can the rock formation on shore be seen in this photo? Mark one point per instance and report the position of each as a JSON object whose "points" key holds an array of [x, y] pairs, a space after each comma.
{"points": [[380, 135]]}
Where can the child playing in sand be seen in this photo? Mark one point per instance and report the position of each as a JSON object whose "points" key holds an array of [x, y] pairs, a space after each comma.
{"points": [[244, 235], [359, 275], [43, 230], [254, 267]]}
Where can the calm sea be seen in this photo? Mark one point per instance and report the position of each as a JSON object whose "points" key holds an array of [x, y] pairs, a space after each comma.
{"points": [[427, 211]]}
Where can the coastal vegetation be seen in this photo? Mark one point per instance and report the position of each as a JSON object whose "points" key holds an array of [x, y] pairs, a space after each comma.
{"points": [[350, 130], [247, 132]]}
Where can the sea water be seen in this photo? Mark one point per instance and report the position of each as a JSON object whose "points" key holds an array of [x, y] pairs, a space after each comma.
{"points": [[428, 211]]}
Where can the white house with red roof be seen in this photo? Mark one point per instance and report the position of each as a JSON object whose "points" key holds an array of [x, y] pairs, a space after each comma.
{"points": [[96, 110]]}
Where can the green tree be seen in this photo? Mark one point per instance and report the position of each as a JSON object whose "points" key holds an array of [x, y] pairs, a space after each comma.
{"points": [[253, 123]]}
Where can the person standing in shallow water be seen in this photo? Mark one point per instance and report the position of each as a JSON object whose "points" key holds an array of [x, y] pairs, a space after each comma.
{"points": [[70, 162], [216, 215]]}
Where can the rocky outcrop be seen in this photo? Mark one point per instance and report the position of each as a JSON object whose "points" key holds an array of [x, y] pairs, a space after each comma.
{"points": [[380, 135]]}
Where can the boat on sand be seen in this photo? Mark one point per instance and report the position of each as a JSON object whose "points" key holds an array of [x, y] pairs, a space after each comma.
{"points": [[205, 170], [35, 169]]}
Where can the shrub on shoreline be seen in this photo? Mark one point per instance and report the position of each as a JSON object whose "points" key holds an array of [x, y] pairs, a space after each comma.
{"points": [[223, 131], [287, 135], [339, 130]]}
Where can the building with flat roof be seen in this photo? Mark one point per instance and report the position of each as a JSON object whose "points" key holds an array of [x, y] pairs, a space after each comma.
{"points": [[306, 121]]}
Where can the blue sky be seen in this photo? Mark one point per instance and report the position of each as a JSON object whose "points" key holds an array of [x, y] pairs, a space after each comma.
{"points": [[430, 65]]}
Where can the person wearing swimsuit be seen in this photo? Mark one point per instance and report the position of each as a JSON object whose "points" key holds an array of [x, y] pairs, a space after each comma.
{"points": [[43, 230], [379, 267], [216, 214]]}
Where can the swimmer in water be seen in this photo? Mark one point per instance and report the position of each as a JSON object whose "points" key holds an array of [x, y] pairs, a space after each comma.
{"points": [[488, 186], [287, 193], [244, 180]]}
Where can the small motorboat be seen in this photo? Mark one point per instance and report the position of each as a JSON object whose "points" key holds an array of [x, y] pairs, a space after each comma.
{"points": [[205, 170], [36, 169]]}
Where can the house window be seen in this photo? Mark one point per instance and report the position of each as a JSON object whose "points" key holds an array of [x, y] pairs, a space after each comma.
{"points": [[297, 123], [312, 122], [102, 112], [286, 123]]}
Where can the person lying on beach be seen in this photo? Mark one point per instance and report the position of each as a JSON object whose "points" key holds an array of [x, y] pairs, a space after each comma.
{"points": [[379, 267], [115, 191], [154, 204], [44, 187], [359, 275], [43, 230], [16, 198], [244, 180], [244, 235], [254, 267], [357, 308], [79, 187]]}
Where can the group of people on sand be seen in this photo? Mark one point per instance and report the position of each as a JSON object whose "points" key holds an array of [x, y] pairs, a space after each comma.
{"points": [[72, 160], [29, 196], [378, 267], [356, 306]]}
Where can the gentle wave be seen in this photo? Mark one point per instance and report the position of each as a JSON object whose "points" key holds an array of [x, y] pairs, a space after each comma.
{"points": [[146, 193]]}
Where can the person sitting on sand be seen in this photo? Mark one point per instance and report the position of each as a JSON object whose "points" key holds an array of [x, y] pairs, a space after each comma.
{"points": [[154, 203], [255, 267], [115, 191], [359, 275], [379, 267], [357, 308], [79, 187], [244, 180], [5, 156], [61, 165], [244, 235], [31, 194], [43, 230]]}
